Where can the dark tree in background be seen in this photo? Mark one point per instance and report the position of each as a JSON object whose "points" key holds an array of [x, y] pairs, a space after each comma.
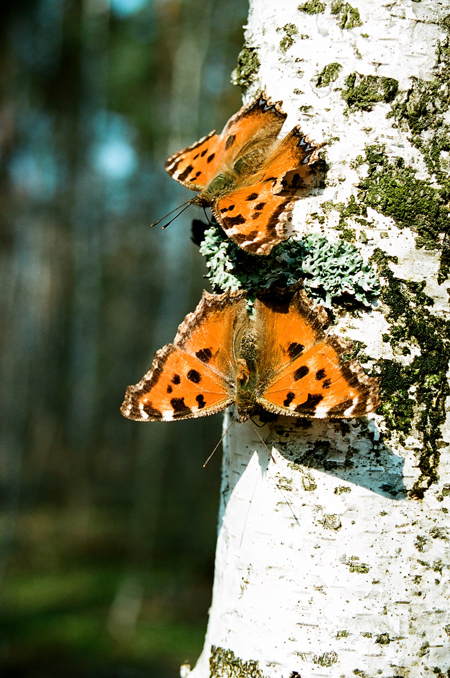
{"points": [[103, 561]]}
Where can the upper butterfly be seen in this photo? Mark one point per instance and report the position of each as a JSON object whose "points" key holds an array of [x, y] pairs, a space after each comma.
{"points": [[248, 178], [279, 358]]}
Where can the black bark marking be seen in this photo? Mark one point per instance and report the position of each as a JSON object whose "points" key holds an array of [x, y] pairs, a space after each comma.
{"points": [[289, 398], [252, 196], [185, 173], [210, 157], [310, 403], [320, 374], [179, 406], [204, 355], [201, 401], [230, 141], [301, 372], [176, 379], [194, 376], [295, 349]]}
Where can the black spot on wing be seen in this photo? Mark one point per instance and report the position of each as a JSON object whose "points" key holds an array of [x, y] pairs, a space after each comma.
{"points": [[310, 404], [338, 410], [169, 389], [255, 215], [326, 383], [289, 398], [179, 407], [301, 372], [295, 349], [252, 196], [204, 355], [194, 376], [201, 401], [230, 141], [320, 374], [176, 379], [210, 157], [186, 172], [259, 206], [234, 221], [204, 152]]}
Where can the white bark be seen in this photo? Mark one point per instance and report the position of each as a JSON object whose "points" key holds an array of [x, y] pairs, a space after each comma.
{"points": [[326, 565]]}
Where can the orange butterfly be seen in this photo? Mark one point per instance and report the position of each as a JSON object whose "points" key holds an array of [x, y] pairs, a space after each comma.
{"points": [[248, 178], [279, 358]]}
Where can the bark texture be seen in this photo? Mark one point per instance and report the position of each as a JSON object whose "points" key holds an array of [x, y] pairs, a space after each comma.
{"points": [[333, 553]]}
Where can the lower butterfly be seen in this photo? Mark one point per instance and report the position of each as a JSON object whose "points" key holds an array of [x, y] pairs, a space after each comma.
{"points": [[277, 357]]}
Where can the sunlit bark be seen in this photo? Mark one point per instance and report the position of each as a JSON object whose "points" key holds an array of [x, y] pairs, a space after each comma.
{"points": [[332, 556]]}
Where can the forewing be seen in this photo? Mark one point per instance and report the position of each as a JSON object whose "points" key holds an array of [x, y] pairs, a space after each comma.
{"points": [[302, 370], [292, 166], [194, 376], [254, 218], [177, 386], [254, 126]]}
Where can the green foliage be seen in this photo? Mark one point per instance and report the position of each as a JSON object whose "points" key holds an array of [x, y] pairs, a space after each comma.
{"points": [[329, 74], [361, 92], [331, 272]]}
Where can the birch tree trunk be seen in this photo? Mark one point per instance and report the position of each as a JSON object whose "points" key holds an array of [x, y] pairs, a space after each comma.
{"points": [[333, 553]]}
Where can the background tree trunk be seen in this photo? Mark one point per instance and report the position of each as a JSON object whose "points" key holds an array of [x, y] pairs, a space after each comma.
{"points": [[332, 555]]}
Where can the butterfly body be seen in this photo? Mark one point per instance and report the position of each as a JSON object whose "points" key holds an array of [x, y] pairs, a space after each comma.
{"points": [[279, 358], [248, 177]]}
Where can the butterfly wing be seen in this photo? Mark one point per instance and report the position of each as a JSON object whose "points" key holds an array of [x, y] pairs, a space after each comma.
{"points": [[302, 372], [255, 216], [254, 126], [194, 376]]}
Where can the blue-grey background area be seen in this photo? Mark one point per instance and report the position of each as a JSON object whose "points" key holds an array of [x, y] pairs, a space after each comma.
{"points": [[107, 526]]}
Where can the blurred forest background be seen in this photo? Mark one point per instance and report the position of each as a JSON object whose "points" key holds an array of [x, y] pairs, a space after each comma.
{"points": [[107, 526]]}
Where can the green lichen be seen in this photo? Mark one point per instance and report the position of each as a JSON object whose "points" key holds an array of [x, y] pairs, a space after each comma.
{"points": [[290, 31], [328, 74], [326, 659], [414, 395], [361, 92], [342, 634], [348, 16], [312, 7], [394, 189], [248, 67], [331, 272], [224, 664]]}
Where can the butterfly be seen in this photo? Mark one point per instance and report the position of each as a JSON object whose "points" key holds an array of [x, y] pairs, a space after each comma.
{"points": [[249, 178], [278, 357]]}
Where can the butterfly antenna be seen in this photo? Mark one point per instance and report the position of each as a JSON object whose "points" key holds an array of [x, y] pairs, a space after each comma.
{"points": [[286, 499], [233, 419], [207, 217], [180, 209]]}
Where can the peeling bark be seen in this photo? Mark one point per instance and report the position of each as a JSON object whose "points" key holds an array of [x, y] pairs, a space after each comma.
{"points": [[333, 550]]}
